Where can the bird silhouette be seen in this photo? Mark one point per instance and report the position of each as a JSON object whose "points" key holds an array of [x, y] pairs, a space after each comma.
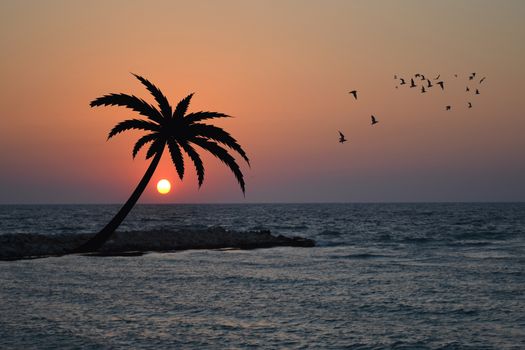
{"points": [[436, 78], [467, 89], [429, 84], [417, 75], [448, 108], [423, 77], [353, 92], [402, 81], [441, 84], [481, 81], [477, 92], [472, 76], [423, 89], [412, 84], [469, 105], [455, 75], [342, 137], [374, 120]]}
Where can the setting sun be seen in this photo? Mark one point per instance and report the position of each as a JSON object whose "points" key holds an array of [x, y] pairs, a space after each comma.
{"points": [[163, 186]]}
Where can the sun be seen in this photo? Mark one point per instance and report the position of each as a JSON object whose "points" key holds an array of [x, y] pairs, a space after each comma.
{"points": [[163, 186]]}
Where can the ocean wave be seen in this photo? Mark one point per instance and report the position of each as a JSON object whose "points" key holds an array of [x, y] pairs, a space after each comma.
{"points": [[291, 227], [448, 238], [483, 235], [331, 233], [417, 240], [358, 256]]}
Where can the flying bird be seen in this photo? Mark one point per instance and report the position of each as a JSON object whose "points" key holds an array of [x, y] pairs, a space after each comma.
{"points": [[436, 78], [467, 89], [447, 108], [342, 137], [469, 105], [374, 120], [429, 84], [477, 92], [417, 75], [441, 84], [353, 92], [412, 84], [402, 81], [423, 77], [472, 76], [481, 81], [423, 89]]}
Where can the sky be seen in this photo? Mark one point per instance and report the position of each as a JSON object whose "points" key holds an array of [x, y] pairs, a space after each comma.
{"points": [[283, 69]]}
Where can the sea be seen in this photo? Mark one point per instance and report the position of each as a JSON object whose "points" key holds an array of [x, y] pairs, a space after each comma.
{"points": [[381, 276]]}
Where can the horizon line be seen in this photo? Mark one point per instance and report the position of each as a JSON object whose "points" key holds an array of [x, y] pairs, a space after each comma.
{"points": [[294, 203]]}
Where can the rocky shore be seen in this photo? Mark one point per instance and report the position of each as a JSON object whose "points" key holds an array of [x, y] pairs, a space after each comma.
{"points": [[23, 246]]}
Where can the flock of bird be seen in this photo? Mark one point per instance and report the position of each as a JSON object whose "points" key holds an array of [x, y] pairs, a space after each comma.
{"points": [[373, 119], [424, 84]]}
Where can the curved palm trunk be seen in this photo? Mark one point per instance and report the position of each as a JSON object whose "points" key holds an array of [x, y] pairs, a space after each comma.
{"points": [[100, 238]]}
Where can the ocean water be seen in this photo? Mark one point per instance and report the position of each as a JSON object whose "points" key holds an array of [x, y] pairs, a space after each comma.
{"points": [[399, 276]]}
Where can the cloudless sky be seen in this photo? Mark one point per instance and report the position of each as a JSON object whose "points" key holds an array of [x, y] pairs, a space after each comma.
{"points": [[283, 69]]}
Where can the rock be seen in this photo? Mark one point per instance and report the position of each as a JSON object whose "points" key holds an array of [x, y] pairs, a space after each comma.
{"points": [[18, 246]]}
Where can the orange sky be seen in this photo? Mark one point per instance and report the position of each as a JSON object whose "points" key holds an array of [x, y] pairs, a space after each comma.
{"points": [[283, 69]]}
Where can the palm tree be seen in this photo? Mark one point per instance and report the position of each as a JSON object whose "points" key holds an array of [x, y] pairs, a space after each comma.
{"points": [[176, 130]]}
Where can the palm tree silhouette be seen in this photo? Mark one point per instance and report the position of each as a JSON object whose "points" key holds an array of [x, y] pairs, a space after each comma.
{"points": [[177, 130]]}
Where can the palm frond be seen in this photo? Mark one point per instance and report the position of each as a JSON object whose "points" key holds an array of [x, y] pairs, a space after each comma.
{"points": [[194, 156], [164, 105], [182, 106], [223, 155], [176, 157], [197, 116], [131, 102], [220, 135], [142, 141], [133, 124], [156, 146]]}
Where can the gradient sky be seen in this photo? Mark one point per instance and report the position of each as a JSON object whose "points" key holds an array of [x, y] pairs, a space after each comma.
{"points": [[283, 69]]}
